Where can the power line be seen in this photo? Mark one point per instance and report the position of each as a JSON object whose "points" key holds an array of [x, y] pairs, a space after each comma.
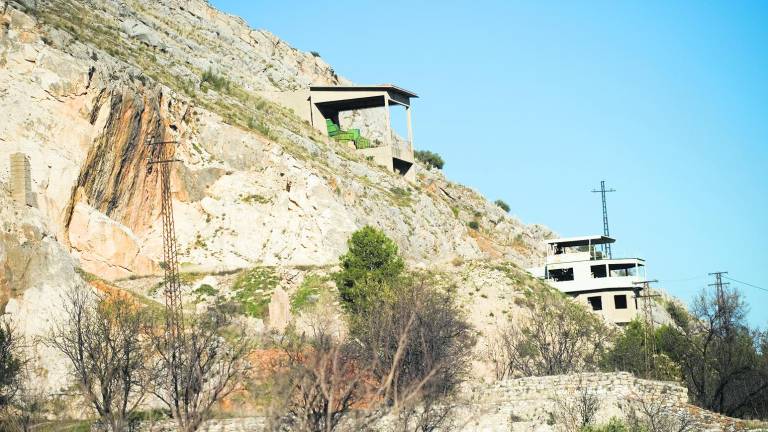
{"points": [[745, 283], [682, 280]]}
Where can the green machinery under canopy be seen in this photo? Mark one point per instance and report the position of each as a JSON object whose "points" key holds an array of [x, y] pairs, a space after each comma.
{"points": [[335, 132]]}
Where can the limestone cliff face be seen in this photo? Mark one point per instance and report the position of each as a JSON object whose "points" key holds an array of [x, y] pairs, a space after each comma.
{"points": [[35, 272], [87, 85]]}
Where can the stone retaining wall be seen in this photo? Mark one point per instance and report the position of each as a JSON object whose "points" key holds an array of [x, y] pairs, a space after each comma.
{"points": [[532, 404], [608, 386]]}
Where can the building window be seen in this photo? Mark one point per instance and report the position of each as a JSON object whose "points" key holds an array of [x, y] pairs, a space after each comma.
{"points": [[622, 270], [598, 271], [596, 303], [620, 301], [560, 275]]}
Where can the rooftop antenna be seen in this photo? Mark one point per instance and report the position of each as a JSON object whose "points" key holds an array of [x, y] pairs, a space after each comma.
{"points": [[606, 231], [174, 316]]}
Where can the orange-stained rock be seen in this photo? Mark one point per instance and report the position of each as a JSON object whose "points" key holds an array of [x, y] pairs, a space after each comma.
{"points": [[105, 247]]}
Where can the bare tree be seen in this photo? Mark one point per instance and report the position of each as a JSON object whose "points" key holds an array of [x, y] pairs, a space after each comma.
{"points": [[560, 336], [27, 407], [654, 415], [100, 336], [206, 367], [404, 361], [497, 352], [576, 409], [11, 363], [418, 338], [320, 384], [12, 366]]}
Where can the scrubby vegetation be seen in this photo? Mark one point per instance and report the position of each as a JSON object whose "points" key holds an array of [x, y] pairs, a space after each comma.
{"points": [[429, 158], [407, 349], [712, 349], [503, 205], [309, 291], [634, 351], [723, 361], [252, 290], [560, 336], [214, 80]]}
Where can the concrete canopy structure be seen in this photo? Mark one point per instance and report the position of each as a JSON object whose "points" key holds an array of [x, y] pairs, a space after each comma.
{"points": [[608, 286], [320, 105]]}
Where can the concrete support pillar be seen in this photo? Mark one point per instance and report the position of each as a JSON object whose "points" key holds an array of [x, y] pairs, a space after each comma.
{"points": [[389, 124], [410, 128], [21, 179]]}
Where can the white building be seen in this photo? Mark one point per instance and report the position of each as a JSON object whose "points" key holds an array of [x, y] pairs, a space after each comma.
{"points": [[609, 286]]}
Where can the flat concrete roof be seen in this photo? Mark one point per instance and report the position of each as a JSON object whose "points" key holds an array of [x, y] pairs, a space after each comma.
{"points": [[581, 241], [379, 87]]}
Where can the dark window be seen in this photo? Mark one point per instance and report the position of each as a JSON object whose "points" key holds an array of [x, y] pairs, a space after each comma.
{"points": [[560, 275], [622, 270], [596, 303], [620, 301], [598, 271]]}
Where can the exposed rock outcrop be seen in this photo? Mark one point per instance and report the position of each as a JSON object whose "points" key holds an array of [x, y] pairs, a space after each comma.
{"points": [[35, 272], [255, 185]]}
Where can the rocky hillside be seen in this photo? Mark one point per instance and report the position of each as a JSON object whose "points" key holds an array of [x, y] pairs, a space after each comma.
{"points": [[263, 202], [86, 85]]}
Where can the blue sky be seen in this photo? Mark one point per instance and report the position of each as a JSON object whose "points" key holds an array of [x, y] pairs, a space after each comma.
{"points": [[536, 102]]}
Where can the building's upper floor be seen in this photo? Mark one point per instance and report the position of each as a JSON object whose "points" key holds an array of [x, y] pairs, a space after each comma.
{"points": [[572, 249], [575, 265]]}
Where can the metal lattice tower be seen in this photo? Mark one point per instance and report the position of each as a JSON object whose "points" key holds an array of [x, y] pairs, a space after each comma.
{"points": [[649, 338], [606, 231], [720, 296], [174, 315]]}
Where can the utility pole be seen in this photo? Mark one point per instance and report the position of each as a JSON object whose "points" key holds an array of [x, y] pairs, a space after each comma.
{"points": [[174, 315], [606, 231], [649, 338], [720, 297]]}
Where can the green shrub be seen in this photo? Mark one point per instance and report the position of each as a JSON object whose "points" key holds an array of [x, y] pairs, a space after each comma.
{"points": [[255, 198], [613, 425], [206, 290], [367, 269], [308, 292], [429, 158], [628, 354], [474, 225], [401, 197], [315, 53], [504, 206], [253, 289], [217, 82]]}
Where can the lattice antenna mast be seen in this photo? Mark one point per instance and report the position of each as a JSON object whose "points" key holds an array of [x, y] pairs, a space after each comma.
{"points": [[174, 315], [606, 231], [649, 338]]}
